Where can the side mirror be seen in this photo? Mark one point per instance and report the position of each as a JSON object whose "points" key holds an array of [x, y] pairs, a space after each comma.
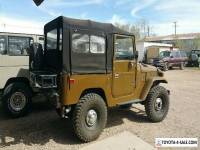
{"points": [[136, 54], [38, 2]]}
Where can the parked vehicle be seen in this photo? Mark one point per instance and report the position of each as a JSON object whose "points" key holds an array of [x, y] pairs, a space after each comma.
{"points": [[90, 66], [194, 58], [14, 71], [169, 59]]}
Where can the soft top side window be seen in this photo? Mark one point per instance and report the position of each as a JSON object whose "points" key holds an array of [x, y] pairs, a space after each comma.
{"points": [[80, 43], [97, 44], [85, 43]]}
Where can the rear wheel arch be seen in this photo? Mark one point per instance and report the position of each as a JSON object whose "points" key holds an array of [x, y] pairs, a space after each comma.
{"points": [[98, 91]]}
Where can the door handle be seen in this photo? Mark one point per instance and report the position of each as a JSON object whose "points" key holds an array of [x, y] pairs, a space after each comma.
{"points": [[116, 75], [130, 65]]}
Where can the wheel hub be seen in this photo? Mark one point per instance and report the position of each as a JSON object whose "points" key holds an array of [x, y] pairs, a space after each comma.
{"points": [[158, 104], [17, 101], [91, 118]]}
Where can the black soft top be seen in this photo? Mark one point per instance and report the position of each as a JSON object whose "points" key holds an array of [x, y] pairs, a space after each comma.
{"points": [[85, 24], [81, 62]]}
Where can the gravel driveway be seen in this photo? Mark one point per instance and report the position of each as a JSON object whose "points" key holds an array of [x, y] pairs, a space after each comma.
{"points": [[43, 129]]}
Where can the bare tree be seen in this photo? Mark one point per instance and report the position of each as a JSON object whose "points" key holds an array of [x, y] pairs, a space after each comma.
{"points": [[140, 29], [129, 28]]}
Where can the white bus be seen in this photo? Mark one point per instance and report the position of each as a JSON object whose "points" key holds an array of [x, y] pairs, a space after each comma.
{"points": [[14, 71]]}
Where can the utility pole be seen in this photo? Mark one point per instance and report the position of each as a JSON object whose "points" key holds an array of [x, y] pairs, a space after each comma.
{"points": [[144, 30], [175, 27], [148, 34]]}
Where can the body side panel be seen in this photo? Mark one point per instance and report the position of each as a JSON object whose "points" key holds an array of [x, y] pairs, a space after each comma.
{"points": [[12, 67], [72, 92]]}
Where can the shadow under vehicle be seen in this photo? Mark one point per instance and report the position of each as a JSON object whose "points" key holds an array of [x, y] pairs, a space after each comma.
{"points": [[89, 66]]}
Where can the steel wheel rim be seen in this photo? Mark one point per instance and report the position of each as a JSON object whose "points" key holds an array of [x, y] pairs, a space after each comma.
{"points": [[18, 101], [158, 104], [91, 118]]}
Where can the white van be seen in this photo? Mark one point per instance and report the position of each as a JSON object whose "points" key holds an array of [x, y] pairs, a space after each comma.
{"points": [[14, 71]]}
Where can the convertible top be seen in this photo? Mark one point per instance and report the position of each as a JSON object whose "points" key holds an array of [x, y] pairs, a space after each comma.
{"points": [[81, 62], [86, 24]]}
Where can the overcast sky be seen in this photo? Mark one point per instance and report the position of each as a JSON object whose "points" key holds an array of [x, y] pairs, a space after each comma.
{"points": [[159, 13]]}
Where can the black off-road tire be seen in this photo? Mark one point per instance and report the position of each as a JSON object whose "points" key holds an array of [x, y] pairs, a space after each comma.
{"points": [[153, 114], [7, 95], [84, 132]]}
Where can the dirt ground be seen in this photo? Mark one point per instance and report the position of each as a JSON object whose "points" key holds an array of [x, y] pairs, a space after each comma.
{"points": [[43, 129]]}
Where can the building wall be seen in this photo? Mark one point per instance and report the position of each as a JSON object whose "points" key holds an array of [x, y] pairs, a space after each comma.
{"points": [[186, 42], [141, 47]]}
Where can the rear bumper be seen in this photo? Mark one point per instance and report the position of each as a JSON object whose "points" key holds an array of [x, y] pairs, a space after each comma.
{"points": [[43, 80]]}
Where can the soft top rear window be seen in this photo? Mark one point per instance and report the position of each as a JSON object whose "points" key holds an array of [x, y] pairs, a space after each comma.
{"points": [[52, 39]]}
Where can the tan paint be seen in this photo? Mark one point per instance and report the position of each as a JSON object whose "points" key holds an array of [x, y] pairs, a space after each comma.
{"points": [[72, 92], [123, 78], [149, 84], [129, 80]]}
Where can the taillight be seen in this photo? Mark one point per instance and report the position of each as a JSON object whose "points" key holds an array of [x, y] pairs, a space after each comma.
{"points": [[71, 81]]}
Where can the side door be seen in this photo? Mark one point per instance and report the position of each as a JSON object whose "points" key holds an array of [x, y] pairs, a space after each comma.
{"points": [[179, 58], [124, 66], [172, 59]]}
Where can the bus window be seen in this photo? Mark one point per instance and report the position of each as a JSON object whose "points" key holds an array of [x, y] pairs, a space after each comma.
{"points": [[2, 45], [18, 45]]}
